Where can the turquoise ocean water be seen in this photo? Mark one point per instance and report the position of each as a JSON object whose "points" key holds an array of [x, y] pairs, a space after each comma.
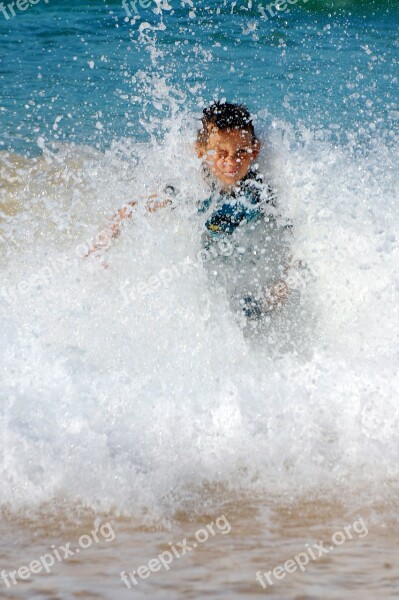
{"points": [[329, 65]]}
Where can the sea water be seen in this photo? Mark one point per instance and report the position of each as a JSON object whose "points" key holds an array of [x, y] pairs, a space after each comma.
{"points": [[129, 390]]}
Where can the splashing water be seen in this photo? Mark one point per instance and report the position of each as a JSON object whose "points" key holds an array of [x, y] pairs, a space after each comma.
{"points": [[119, 393]]}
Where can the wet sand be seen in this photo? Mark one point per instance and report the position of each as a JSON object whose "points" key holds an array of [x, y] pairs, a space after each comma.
{"points": [[262, 537]]}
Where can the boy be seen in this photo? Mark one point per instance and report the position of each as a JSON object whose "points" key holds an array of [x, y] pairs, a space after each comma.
{"points": [[240, 209]]}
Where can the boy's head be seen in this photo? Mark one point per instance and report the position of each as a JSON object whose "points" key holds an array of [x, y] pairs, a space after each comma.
{"points": [[227, 141]]}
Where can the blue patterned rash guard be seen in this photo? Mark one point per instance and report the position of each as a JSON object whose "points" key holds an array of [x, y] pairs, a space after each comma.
{"points": [[247, 244], [231, 209]]}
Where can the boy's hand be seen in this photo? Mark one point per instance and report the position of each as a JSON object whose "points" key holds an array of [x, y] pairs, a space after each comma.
{"points": [[154, 205], [276, 296]]}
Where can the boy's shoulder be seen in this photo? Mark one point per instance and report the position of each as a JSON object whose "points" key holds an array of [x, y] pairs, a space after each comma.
{"points": [[263, 195], [257, 189]]}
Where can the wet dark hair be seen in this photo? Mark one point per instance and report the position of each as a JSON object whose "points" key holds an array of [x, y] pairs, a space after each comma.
{"points": [[225, 116]]}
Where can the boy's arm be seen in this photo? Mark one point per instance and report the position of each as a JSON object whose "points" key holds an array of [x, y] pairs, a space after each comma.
{"points": [[276, 295], [114, 228]]}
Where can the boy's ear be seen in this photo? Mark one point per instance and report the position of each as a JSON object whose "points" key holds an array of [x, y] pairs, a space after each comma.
{"points": [[256, 149], [200, 150]]}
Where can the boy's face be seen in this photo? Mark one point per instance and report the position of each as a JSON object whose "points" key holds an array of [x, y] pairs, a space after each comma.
{"points": [[229, 154]]}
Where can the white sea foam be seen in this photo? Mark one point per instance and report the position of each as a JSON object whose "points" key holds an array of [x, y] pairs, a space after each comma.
{"points": [[138, 405]]}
